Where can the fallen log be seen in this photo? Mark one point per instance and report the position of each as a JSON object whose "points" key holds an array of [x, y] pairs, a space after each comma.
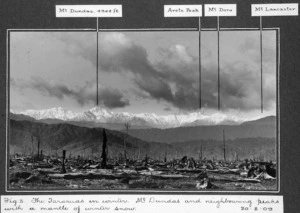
{"points": [[148, 173], [48, 171], [171, 176], [127, 171], [140, 168], [42, 166], [69, 176], [190, 170], [162, 169], [220, 171], [248, 180], [96, 166]]}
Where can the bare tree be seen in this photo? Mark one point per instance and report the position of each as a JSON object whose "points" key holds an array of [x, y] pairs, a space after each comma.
{"points": [[127, 127], [63, 169], [224, 148], [104, 153], [32, 147], [38, 147]]}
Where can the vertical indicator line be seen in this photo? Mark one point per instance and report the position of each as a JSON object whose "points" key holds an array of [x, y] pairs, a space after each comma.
{"points": [[261, 67], [200, 92], [97, 79], [224, 146], [218, 26]]}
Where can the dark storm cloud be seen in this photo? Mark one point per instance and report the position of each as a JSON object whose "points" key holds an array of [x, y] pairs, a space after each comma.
{"points": [[240, 81], [112, 98], [178, 65], [180, 69], [175, 77], [172, 80], [51, 89], [109, 97], [119, 54]]}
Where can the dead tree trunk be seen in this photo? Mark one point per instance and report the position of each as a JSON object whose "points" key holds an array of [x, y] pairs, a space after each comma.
{"points": [[125, 149], [104, 155], [127, 126], [38, 151], [224, 146], [63, 169], [32, 147]]}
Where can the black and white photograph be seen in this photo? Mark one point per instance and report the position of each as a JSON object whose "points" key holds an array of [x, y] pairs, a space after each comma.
{"points": [[143, 125], [121, 106]]}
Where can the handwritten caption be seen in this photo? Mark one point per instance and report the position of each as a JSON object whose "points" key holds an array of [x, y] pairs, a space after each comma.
{"points": [[182, 10], [290, 9], [220, 9], [138, 203], [66, 11]]}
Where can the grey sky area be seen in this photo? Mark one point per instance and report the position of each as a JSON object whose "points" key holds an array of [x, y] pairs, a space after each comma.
{"points": [[141, 71]]}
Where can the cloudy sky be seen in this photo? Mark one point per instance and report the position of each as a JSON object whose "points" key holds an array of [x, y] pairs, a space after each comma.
{"points": [[141, 71]]}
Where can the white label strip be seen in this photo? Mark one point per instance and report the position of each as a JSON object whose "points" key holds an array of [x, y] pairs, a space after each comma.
{"points": [[220, 10], [141, 203], [183, 10], [274, 9], [88, 10]]}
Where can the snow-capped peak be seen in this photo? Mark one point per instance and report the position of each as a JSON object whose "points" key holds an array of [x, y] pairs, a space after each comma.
{"points": [[102, 115], [100, 111], [53, 113]]}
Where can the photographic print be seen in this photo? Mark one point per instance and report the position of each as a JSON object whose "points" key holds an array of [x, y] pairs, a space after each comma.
{"points": [[164, 110], [149, 106]]}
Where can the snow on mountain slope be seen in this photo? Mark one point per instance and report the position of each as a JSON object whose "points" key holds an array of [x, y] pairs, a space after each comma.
{"points": [[53, 113], [101, 115]]}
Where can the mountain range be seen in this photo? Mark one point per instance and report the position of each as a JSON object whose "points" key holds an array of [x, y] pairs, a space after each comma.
{"points": [[100, 117], [24, 137], [261, 128], [76, 140]]}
